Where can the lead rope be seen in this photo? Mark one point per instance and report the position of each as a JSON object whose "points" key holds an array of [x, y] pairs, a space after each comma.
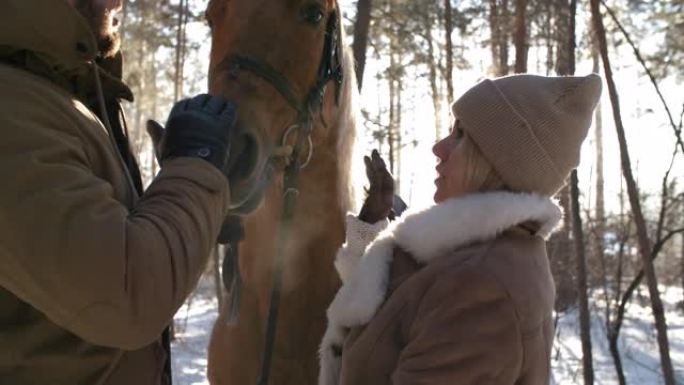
{"points": [[290, 195], [230, 267]]}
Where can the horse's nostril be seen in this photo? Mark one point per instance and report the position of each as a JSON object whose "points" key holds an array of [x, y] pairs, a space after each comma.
{"points": [[243, 158]]}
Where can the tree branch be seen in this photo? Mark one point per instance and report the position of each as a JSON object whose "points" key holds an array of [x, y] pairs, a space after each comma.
{"points": [[677, 130], [627, 296]]}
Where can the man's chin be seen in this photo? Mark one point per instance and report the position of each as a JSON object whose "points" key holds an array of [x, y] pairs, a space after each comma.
{"points": [[109, 45]]}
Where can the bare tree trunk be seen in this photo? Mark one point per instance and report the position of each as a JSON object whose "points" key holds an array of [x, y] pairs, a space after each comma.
{"points": [[561, 254], [390, 133], [613, 326], [123, 22], [391, 127], [494, 32], [520, 36], [633, 193], [563, 21], [398, 133], [549, 36], [216, 256], [360, 44], [180, 48], [621, 255], [184, 47], [504, 24], [617, 360], [432, 67], [498, 24], [585, 323], [142, 88], [145, 138], [600, 232], [578, 234], [448, 28], [600, 213]]}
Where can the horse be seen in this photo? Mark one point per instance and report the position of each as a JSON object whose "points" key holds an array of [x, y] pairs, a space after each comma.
{"points": [[266, 55]]}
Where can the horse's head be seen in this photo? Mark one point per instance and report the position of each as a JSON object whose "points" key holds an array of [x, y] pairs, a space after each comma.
{"points": [[275, 58]]}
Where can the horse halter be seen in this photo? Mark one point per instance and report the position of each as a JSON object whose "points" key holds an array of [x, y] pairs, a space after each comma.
{"points": [[330, 68]]}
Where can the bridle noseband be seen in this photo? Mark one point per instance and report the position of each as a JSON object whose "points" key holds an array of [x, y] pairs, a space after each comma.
{"points": [[330, 69]]}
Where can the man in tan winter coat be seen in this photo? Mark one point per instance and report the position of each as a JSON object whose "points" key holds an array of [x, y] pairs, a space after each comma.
{"points": [[461, 292], [91, 268]]}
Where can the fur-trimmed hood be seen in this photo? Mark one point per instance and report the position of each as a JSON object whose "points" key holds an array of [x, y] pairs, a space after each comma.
{"points": [[425, 235]]}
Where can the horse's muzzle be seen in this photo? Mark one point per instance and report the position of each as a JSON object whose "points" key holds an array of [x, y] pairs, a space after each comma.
{"points": [[249, 169]]}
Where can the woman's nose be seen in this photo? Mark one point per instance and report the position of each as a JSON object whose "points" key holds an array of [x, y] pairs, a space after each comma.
{"points": [[437, 149]]}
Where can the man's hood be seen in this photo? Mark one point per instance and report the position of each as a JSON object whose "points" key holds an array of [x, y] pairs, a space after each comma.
{"points": [[54, 34], [52, 29]]}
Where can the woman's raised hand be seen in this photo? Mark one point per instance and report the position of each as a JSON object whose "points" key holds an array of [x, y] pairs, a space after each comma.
{"points": [[380, 193]]}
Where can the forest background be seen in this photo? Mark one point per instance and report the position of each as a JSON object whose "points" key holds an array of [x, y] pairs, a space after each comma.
{"points": [[623, 236]]}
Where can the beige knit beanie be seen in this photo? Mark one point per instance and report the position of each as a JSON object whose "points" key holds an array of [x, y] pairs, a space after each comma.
{"points": [[530, 128]]}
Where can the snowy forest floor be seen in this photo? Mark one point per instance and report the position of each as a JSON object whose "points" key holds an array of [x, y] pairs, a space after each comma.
{"points": [[637, 342]]}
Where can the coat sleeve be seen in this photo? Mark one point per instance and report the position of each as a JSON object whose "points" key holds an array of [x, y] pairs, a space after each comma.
{"points": [[465, 332], [359, 235], [110, 275]]}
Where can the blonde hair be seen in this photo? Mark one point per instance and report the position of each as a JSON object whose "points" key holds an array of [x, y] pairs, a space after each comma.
{"points": [[480, 175]]}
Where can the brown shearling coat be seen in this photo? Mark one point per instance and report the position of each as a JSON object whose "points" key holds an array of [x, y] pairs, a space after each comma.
{"points": [[457, 294], [90, 272]]}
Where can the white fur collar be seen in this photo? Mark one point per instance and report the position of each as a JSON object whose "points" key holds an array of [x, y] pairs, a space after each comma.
{"points": [[425, 235]]}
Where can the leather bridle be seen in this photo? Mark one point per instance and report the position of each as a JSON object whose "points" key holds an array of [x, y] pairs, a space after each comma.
{"points": [[330, 69]]}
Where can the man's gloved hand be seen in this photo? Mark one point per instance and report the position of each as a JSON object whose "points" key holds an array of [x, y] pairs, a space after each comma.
{"points": [[200, 127]]}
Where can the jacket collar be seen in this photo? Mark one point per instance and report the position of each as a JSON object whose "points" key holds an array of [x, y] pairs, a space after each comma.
{"points": [[50, 38], [426, 235]]}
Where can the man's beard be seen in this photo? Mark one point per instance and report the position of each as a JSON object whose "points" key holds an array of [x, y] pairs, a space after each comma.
{"points": [[108, 40]]}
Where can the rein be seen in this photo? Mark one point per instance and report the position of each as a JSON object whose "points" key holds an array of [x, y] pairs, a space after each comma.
{"points": [[330, 68]]}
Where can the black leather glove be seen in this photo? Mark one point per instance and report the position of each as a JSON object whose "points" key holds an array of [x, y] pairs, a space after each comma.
{"points": [[200, 127], [381, 202]]}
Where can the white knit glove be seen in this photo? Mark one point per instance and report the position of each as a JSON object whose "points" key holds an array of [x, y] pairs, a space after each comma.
{"points": [[359, 235]]}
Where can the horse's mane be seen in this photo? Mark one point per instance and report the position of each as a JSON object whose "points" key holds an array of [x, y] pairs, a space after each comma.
{"points": [[349, 149]]}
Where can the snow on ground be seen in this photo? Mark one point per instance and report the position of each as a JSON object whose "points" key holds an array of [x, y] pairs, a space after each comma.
{"points": [[193, 324], [638, 344]]}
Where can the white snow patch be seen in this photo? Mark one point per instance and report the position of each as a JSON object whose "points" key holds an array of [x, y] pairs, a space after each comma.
{"points": [[637, 343], [193, 323]]}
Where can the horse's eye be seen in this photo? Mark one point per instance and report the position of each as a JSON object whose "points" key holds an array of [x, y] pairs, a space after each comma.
{"points": [[312, 14]]}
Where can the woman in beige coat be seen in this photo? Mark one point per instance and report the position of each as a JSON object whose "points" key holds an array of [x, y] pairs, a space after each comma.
{"points": [[461, 292]]}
